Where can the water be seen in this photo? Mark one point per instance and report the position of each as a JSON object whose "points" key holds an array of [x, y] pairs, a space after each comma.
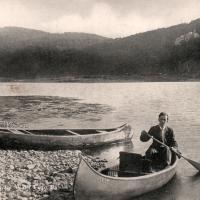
{"points": [[97, 105]]}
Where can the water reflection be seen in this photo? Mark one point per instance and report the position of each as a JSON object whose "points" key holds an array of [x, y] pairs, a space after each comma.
{"points": [[167, 192]]}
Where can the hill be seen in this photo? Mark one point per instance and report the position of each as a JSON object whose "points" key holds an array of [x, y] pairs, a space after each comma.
{"points": [[165, 52], [16, 38], [152, 51]]}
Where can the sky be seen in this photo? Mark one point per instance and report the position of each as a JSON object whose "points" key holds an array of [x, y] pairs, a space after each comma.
{"points": [[110, 18]]}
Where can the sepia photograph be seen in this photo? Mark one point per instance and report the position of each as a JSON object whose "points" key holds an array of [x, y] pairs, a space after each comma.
{"points": [[99, 100]]}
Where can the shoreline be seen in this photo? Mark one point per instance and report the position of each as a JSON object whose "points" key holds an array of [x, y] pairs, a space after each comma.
{"points": [[105, 79]]}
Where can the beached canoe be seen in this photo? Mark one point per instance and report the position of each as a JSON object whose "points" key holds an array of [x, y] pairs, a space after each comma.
{"points": [[64, 138], [90, 184]]}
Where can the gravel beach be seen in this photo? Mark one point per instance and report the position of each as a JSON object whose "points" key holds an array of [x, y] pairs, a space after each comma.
{"points": [[46, 175]]}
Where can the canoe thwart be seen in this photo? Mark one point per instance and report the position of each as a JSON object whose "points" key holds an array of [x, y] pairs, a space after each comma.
{"points": [[72, 132], [28, 132]]}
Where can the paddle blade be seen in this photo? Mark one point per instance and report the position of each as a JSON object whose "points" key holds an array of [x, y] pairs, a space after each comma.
{"points": [[194, 163]]}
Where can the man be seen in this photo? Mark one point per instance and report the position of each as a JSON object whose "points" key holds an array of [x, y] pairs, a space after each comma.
{"points": [[163, 133]]}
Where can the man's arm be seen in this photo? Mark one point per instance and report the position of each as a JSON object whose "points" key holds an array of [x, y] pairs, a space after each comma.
{"points": [[173, 142], [174, 145]]}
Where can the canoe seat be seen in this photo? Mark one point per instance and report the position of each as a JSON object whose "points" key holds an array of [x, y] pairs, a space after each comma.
{"points": [[15, 131]]}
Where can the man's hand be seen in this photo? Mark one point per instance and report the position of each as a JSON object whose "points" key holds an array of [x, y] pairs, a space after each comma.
{"points": [[178, 153]]}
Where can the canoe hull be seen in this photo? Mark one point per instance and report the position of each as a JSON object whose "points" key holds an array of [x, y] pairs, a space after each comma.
{"points": [[66, 142], [91, 185]]}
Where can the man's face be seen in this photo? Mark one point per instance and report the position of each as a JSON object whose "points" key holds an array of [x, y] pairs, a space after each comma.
{"points": [[163, 120]]}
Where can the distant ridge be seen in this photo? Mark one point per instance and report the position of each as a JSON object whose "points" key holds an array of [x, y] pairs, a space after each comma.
{"points": [[29, 53], [19, 38]]}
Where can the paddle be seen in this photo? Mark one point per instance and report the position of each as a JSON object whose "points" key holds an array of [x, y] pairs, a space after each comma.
{"points": [[194, 163]]}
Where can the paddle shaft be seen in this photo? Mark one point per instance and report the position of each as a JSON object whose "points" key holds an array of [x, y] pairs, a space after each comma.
{"points": [[194, 163]]}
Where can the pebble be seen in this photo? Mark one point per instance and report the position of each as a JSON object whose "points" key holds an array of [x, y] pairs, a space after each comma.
{"points": [[42, 175], [31, 166], [12, 167]]}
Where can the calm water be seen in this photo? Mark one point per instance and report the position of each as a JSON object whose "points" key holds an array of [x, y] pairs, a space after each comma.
{"points": [[92, 105]]}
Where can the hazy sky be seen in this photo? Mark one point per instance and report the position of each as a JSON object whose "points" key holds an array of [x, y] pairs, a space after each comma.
{"points": [[111, 18]]}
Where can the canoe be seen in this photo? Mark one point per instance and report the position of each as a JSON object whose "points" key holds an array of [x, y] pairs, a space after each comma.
{"points": [[64, 138], [90, 184]]}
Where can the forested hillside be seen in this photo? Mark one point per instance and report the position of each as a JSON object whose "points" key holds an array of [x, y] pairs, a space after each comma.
{"points": [[26, 53]]}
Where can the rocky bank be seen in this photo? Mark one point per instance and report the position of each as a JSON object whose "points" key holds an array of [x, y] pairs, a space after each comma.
{"points": [[46, 175]]}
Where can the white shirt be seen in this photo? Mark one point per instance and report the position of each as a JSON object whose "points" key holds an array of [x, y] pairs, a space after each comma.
{"points": [[162, 132]]}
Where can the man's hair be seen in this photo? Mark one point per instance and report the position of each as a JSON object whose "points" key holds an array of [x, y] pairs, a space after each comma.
{"points": [[163, 114]]}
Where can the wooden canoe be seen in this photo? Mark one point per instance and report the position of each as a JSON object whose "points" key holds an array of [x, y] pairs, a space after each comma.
{"points": [[64, 138], [90, 184]]}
